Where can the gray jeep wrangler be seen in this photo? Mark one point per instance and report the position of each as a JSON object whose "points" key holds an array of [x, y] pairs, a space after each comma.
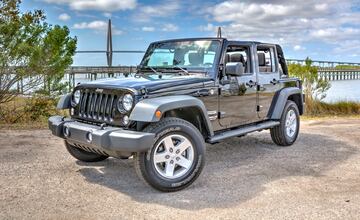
{"points": [[186, 92]]}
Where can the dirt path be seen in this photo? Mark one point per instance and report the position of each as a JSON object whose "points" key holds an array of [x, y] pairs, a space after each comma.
{"points": [[244, 178]]}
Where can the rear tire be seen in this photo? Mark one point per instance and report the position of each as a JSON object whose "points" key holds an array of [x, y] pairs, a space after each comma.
{"points": [[287, 132], [83, 155], [176, 158]]}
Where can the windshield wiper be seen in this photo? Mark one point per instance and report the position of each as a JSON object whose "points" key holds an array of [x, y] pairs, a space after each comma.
{"points": [[152, 69], [182, 69]]}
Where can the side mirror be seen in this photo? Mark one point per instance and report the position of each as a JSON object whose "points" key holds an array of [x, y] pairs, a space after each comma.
{"points": [[234, 69]]}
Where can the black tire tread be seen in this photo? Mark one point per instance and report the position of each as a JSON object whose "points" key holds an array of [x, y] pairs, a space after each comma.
{"points": [[277, 133], [138, 162]]}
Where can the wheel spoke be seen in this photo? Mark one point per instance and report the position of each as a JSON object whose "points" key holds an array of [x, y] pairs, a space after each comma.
{"points": [[184, 162], [168, 143], [169, 157], [292, 117], [159, 158], [185, 144], [169, 169]]}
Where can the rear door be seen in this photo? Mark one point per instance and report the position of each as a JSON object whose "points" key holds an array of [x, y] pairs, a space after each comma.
{"points": [[267, 78]]}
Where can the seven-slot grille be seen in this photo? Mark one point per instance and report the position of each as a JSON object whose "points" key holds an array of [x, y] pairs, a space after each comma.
{"points": [[98, 106]]}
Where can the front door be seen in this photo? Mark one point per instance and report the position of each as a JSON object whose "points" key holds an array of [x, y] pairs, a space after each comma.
{"points": [[268, 77], [237, 98]]}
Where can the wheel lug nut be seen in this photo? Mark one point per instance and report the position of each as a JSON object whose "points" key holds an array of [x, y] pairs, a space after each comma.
{"points": [[167, 157], [171, 161], [177, 158], [178, 151], [171, 150]]}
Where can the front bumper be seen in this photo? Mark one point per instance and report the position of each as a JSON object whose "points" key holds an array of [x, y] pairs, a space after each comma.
{"points": [[111, 140]]}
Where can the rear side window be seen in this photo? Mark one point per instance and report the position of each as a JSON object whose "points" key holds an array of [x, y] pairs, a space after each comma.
{"points": [[267, 60]]}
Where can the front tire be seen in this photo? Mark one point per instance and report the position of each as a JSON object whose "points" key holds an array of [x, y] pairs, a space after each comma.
{"points": [[287, 132], [83, 155], [177, 157]]}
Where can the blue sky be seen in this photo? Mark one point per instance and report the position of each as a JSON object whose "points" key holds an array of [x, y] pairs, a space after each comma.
{"points": [[322, 30]]}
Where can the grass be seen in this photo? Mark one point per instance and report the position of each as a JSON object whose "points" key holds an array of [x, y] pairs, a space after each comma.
{"points": [[28, 112], [342, 108]]}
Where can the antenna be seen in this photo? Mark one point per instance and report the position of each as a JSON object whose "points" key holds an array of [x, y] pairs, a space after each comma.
{"points": [[219, 32], [109, 49]]}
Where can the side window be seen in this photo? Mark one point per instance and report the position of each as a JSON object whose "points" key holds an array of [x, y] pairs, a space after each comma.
{"points": [[267, 60], [238, 54]]}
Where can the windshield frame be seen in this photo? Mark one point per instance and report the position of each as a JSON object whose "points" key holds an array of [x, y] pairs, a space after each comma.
{"points": [[208, 72]]}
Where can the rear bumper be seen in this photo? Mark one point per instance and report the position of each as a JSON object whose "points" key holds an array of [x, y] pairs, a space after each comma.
{"points": [[111, 140]]}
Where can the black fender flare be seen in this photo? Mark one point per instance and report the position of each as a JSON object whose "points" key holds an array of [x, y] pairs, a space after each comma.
{"points": [[280, 99], [144, 111], [64, 102]]}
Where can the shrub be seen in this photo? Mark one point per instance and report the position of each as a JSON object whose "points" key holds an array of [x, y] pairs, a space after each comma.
{"points": [[26, 110]]}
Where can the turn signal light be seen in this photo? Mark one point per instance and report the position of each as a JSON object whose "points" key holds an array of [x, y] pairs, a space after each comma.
{"points": [[158, 114]]}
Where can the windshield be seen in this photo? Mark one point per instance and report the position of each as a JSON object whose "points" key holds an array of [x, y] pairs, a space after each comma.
{"points": [[188, 56]]}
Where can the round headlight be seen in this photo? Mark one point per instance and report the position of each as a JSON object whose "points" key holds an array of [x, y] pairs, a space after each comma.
{"points": [[127, 102], [76, 97]]}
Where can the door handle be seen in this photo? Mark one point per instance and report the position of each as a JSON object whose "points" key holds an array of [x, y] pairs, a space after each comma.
{"points": [[250, 83], [274, 81]]}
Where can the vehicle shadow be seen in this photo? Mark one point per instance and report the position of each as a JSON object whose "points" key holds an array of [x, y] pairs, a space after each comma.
{"points": [[236, 170]]}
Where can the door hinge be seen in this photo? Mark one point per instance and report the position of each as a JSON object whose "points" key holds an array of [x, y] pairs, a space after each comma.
{"points": [[221, 114], [219, 91], [258, 108]]}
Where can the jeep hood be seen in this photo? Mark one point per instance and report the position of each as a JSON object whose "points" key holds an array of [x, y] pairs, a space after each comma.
{"points": [[166, 84]]}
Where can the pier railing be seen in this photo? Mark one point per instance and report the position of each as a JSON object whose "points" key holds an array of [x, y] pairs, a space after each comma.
{"points": [[89, 73], [333, 74]]}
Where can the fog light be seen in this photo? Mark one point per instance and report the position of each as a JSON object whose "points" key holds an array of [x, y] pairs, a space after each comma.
{"points": [[126, 120], [66, 131], [89, 137]]}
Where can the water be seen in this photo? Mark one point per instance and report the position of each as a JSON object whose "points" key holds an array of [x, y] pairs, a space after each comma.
{"points": [[345, 90]]}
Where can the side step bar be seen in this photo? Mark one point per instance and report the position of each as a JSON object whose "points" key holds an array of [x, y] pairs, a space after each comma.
{"points": [[243, 130]]}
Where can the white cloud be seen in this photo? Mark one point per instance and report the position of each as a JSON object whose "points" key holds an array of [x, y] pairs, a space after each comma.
{"points": [[117, 32], [170, 28], [298, 47], [98, 26], [64, 17], [321, 7], [208, 27], [107, 14], [336, 33], [287, 22], [95, 25], [148, 29], [97, 5], [148, 12]]}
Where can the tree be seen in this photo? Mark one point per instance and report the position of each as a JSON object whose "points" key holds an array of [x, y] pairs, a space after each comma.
{"points": [[314, 87], [33, 53]]}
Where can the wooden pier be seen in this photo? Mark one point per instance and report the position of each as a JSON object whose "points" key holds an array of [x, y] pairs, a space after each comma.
{"points": [[90, 73], [332, 74]]}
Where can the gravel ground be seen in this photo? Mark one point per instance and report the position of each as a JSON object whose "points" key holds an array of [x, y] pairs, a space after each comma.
{"points": [[244, 178]]}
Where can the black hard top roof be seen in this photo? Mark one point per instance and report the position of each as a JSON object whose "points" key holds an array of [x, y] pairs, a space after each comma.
{"points": [[210, 38]]}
